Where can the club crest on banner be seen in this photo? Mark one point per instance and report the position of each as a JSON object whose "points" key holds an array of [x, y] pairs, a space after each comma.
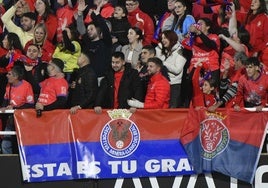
{"points": [[120, 137], [214, 135]]}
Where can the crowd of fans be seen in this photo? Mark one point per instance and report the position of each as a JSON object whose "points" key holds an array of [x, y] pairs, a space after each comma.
{"points": [[80, 54]]}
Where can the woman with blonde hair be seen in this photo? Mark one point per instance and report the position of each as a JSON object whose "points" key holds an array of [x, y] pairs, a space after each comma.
{"points": [[46, 15], [40, 39]]}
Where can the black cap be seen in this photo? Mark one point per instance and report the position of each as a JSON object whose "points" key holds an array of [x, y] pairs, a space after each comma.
{"points": [[58, 62]]}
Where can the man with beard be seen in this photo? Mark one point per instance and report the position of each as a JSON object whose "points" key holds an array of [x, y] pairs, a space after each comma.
{"points": [[96, 38], [119, 84], [28, 20], [158, 90], [147, 52]]}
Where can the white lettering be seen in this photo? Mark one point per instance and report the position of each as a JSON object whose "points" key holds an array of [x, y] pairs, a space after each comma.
{"points": [[129, 167], [258, 176], [50, 169], [114, 166], [37, 171], [152, 166], [64, 169], [89, 169], [233, 182], [184, 165], [167, 165], [26, 172], [177, 182]]}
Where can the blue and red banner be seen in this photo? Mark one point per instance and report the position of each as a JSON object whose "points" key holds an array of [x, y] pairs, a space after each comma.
{"points": [[227, 142], [116, 143]]}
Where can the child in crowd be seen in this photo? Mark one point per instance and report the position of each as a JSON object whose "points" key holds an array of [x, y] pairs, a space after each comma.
{"points": [[204, 87], [120, 27]]}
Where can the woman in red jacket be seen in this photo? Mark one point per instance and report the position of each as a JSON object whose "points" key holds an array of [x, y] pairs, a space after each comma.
{"points": [[257, 25], [46, 16], [40, 39]]}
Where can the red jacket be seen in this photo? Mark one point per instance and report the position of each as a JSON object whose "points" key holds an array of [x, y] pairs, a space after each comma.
{"points": [[65, 12], [31, 4], [47, 50], [139, 19], [201, 99], [258, 29], [106, 11], [51, 25], [158, 93]]}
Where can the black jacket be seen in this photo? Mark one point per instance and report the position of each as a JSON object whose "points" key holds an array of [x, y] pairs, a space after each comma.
{"points": [[35, 76], [120, 29], [100, 51], [85, 91], [130, 87]]}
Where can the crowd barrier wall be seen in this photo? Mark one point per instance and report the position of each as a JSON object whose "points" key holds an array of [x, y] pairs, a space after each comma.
{"points": [[10, 177]]}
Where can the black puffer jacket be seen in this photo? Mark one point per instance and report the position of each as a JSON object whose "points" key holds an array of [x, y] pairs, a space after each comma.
{"points": [[130, 87]]}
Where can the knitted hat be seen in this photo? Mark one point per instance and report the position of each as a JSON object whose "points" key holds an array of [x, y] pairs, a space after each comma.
{"points": [[58, 62]]}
